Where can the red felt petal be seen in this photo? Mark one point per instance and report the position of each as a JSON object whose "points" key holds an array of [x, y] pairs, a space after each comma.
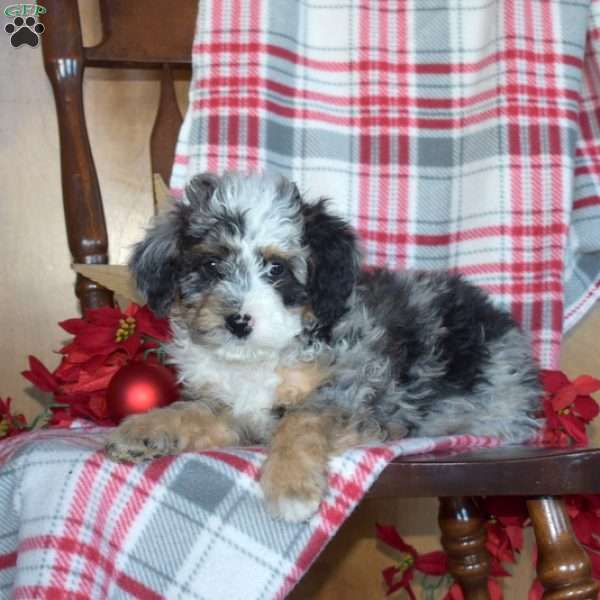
{"points": [[40, 376], [407, 576], [5, 409], [130, 345], [583, 526], [497, 570], [97, 338], [552, 381], [73, 326], [575, 428], [389, 575], [61, 418], [586, 384], [494, 589], [574, 505], [104, 317], [132, 310], [432, 563], [91, 365], [595, 560], [92, 383], [536, 591], [150, 325], [393, 584], [67, 372], [586, 407], [515, 535], [389, 535], [564, 398], [97, 404], [454, 593], [552, 421], [594, 543], [557, 439], [498, 544], [73, 349]]}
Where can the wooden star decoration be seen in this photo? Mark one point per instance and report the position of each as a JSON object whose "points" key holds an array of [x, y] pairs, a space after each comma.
{"points": [[118, 278]]}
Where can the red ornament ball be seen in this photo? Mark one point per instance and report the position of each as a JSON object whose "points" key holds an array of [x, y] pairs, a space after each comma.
{"points": [[139, 387]]}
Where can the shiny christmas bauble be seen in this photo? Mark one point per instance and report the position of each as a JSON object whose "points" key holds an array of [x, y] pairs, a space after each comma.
{"points": [[139, 387]]}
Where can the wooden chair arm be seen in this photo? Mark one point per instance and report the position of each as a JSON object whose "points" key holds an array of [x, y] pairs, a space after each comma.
{"points": [[509, 471]]}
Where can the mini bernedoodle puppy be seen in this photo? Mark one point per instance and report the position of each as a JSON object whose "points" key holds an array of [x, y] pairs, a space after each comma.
{"points": [[281, 339]]}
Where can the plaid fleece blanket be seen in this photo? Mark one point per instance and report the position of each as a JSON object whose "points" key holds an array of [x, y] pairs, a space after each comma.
{"points": [[76, 525], [454, 135]]}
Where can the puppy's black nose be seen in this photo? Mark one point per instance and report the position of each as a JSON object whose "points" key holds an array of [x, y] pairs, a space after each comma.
{"points": [[239, 325]]}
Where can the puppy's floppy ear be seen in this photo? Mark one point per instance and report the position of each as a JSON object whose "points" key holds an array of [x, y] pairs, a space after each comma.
{"points": [[156, 260], [200, 188], [334, 262]]}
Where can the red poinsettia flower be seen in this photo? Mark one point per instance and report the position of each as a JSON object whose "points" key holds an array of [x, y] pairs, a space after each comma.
{"points": [[584, 513], [105, 330], [69, 401], [399, 577], [507, 516], [568, 406], [10, 424], [104, 341], [502, 543], [61, 417]]}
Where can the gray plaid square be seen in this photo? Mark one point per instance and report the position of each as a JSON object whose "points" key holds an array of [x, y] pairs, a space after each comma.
{"points": [[202, 485], [435, 152], [279, 535]]}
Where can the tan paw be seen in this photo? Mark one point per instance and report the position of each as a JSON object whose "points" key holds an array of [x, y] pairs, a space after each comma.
{"points": [[140, 438], [292, 492]]}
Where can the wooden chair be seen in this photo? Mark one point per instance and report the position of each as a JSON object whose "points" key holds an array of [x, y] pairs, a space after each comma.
{"points": [[155, 35]]}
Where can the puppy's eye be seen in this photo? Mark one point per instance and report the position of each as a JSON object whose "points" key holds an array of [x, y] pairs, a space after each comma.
{"points": [[212, 265], [276, 269]]}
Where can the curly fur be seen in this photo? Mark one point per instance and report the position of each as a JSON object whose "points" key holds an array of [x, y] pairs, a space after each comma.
{"points": [[259, 283]]}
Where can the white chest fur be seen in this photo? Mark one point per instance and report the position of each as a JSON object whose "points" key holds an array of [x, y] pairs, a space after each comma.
{"points": [[246, 387], [249, 390]]}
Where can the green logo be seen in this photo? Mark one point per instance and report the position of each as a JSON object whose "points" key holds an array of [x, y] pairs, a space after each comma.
{"points": [[24, 10]]}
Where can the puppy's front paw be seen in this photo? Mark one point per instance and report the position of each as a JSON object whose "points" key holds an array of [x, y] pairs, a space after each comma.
{"points": [[140, 438], [292, 492]]}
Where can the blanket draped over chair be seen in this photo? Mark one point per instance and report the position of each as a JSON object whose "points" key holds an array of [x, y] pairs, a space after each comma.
{"points": [[77, 525], [462, 138]]}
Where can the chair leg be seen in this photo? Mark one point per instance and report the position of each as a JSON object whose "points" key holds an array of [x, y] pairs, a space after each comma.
{"points": [[463, 539], [563, 567]]}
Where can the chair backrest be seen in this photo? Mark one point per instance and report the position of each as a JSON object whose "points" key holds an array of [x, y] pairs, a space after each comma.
{"points": [[138, 34]]}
